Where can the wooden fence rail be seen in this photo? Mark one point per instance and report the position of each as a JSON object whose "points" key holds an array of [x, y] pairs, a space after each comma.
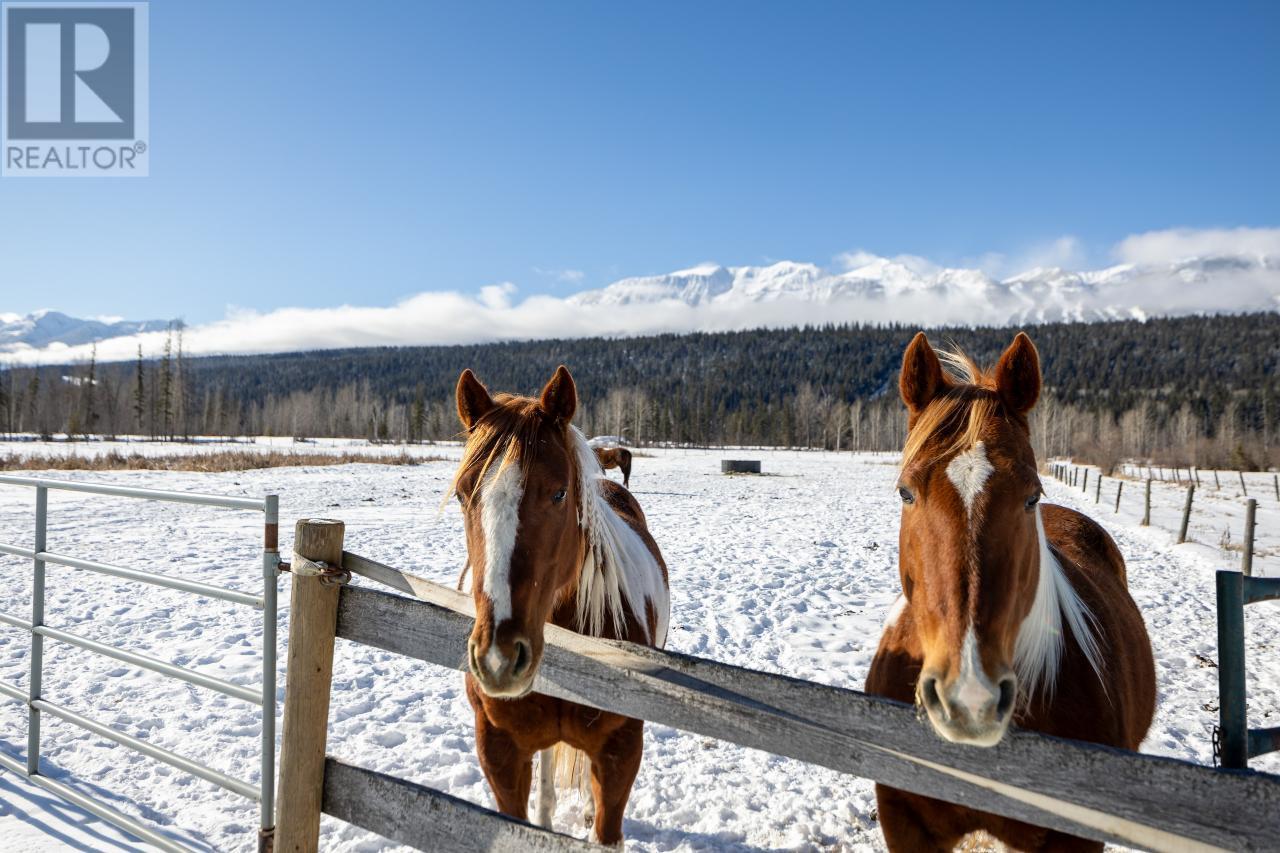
{"points": [[1102, 793]]}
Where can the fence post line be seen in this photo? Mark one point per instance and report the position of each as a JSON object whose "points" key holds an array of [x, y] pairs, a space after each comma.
{"points": [[37, 641], [1119, 489], [1097, 489], [1250, 513], [1243, 487], [1146, 510], [1186, 513], [270, 570], [313, 622], [1233, 737]]}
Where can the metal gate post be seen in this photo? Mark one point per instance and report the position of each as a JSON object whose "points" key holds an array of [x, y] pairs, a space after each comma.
{"points": [[1233, 736], [270, 571], [37, 641]]}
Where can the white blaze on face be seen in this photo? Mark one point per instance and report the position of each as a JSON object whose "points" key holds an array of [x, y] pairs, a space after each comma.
{"points": [[969, 472], [499, 517], [973, 689]]}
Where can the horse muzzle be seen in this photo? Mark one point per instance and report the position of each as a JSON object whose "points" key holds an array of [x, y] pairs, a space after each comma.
{"points": [[503, 670], [968, 712]]}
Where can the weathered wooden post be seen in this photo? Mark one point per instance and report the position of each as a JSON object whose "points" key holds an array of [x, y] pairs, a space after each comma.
{"points": [[1186, 513], [1216, 485], [1243, 487], [1146, 509], [1084, 487], [1194, 472], [1119, 489], [1233, 731], [1097, 489], [1177, 474], [1250, 513], [1275, 481], [313, 621]]}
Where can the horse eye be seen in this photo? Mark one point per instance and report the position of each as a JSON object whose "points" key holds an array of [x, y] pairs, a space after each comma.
{"points": [[907, 497], [1033, 500], [558, 496]]}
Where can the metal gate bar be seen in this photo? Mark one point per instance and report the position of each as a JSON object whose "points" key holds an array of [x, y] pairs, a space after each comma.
{"points": [[232, 595], [265, 697]]}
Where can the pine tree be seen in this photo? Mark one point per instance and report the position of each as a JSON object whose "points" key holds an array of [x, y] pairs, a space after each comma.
{"points": [[139, 394], [166, 386], [90, 393]]}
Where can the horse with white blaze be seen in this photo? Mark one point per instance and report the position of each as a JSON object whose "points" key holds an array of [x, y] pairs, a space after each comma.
{"points": [[549, 540]]}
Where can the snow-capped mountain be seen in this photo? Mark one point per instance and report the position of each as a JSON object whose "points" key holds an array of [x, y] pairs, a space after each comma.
{"points": [[42, 328], [1192, 285], [865, 288]]}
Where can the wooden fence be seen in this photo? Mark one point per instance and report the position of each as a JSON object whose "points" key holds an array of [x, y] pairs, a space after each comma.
{"points": [[1102, 793], [1090, 478]]}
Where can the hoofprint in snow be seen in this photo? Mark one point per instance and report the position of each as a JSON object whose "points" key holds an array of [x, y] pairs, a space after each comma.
{"points": [[792, 572]]}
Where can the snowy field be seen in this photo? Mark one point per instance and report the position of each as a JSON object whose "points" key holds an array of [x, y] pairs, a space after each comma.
{"points": [[792, 572]]}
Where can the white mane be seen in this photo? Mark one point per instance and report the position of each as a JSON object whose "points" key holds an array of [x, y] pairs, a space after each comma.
{"points": [[1038, 651], [619, 571]]}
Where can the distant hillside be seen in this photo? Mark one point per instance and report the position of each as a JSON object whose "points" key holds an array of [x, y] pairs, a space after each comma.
{"points": [[1178, 381], [42, 328]]}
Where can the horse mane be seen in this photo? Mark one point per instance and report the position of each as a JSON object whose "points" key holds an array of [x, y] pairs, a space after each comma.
{"points": [[618, 569], [956, 418], [960, 411], [505, 434]]}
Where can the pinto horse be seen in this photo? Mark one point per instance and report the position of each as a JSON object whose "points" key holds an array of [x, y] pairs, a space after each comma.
{"points": [[1011, 611], [616, 457], [550, 540]]}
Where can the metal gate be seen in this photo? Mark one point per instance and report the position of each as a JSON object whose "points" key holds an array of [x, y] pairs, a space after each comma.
{"points": [[264, 794]]}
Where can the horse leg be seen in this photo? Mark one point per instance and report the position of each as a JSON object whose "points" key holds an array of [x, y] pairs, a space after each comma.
{"points": [[546, 787], [625, 465], [613, 772], [509, 770], [904, 826]]}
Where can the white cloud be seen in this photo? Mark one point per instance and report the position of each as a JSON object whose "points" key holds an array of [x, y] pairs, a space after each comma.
{"points": [[860, 258], [1065, 252], [925, 295], [497, 296], [566, 276], [1155, 247]]}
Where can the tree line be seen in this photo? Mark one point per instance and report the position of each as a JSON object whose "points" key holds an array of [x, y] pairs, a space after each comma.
{"points": [[1198, 390]]}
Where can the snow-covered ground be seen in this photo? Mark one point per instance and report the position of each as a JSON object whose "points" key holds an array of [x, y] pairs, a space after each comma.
{"points": [[791, 572]]}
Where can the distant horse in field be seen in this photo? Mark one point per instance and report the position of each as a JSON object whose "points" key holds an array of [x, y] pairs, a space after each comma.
{"points": [[616, 457], [551, 540], [1011, 611]]}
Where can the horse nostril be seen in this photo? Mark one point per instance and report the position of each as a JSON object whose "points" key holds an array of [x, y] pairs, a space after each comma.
{"points": [[929, 695], [1008, 695], [524, 657]]}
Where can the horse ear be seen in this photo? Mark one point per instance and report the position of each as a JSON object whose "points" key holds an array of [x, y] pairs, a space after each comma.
{"points": [[1018, 375], [560, 396], [922, 378], [473, 399]]}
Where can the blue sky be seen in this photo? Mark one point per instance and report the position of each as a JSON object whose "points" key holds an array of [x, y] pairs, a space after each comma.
{"points": [[315, 154]]}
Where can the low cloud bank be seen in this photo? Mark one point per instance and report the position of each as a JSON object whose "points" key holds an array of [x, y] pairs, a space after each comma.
{"points": [[1176, 271]]}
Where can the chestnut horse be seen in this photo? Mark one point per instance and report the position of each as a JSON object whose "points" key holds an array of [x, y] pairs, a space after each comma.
{"points": [[616, 457], [1011, 611], [551, 540]]}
